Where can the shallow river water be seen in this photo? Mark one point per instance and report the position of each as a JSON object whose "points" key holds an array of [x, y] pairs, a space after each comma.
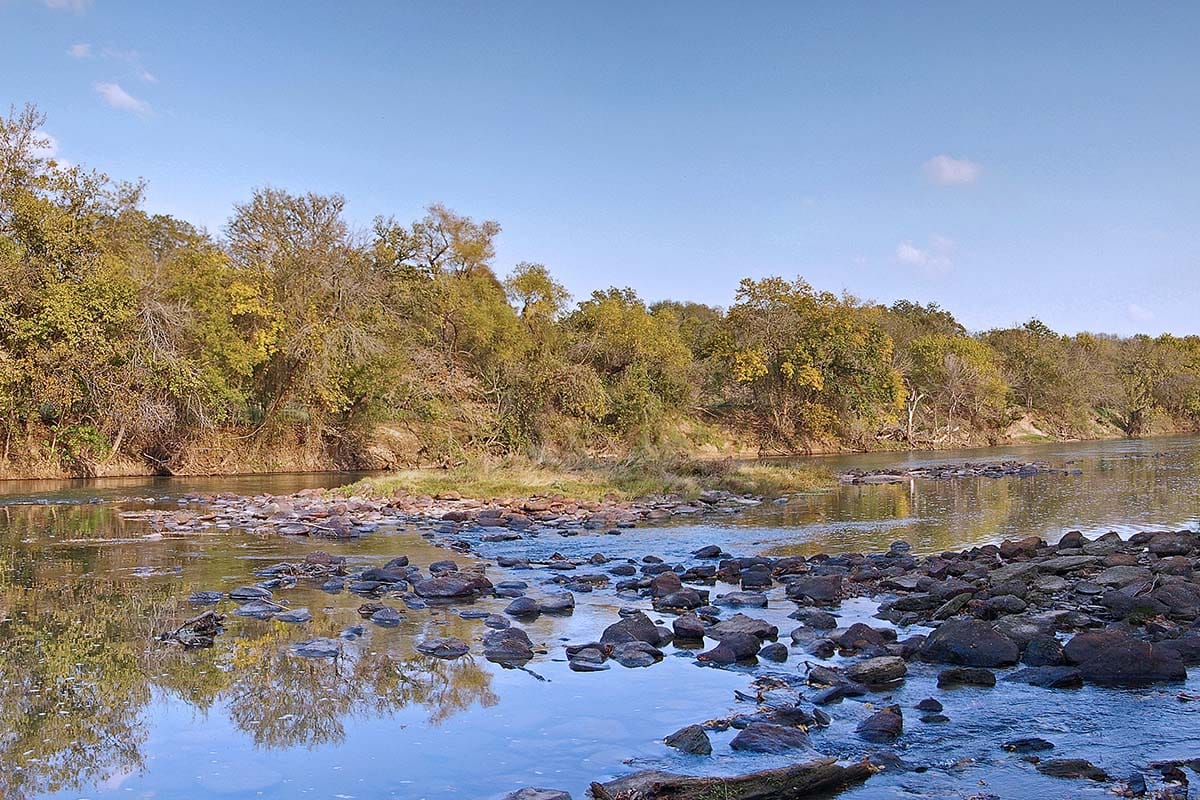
{"points": [[92, 707]]}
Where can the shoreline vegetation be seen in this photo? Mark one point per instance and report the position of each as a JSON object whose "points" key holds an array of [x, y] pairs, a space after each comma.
{"points": [[134, 343]]}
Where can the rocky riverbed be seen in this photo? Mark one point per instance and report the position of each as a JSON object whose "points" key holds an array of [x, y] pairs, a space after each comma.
{"points": [[822, 678], [957, 471]]}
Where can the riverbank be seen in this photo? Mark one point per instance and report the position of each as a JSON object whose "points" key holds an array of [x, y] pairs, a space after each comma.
{"points": [[231, 453]]}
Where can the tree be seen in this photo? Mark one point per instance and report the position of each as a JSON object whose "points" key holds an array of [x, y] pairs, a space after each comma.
{"points": [[809, 363]]}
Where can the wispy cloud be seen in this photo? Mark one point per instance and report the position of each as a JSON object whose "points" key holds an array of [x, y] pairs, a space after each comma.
{"points": [[1139, 313], [80, 50], [932, 260], [946, 170], [116, 97], [77, 6], [134, 59]]}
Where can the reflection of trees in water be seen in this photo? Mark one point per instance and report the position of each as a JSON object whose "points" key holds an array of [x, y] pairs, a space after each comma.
{"points": [[71, 688], [283, 700], [79, 665], [951, 515]]}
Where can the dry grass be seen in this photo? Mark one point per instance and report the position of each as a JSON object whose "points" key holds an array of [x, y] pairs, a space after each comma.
{"points": [[595, 480]]}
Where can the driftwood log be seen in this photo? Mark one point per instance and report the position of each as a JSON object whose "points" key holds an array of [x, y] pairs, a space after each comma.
{"points": [[786, 783]]}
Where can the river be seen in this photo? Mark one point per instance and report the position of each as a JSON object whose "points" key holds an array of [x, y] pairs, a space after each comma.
{"points": [[92, 707]]}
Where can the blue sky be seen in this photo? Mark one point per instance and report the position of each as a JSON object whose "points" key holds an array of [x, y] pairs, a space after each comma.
{"points": [[1004, 160]]}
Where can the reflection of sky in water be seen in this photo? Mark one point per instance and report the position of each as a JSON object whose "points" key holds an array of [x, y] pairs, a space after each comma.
{"points": [[245, 720]]}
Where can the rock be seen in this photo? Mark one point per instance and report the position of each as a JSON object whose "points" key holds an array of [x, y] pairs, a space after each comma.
{"points": [[742, 599], [1115, 658], [689, 627], [929, 704], [1172, 544], [691, 739], [1028, 745], [1047, 677], [535, 793], [245, 593], [709, 551], [387, 617], [966, 676], [1043, 652], [969, 643], [258, 609], [294, 616], [763, 737], [523, 607], [684, 600], [862, 637], [557, 603], [740, 623], [443, 647], [209, 598], [588, 658], [1060, 564], [819, 589], [317, 648], [776, 651], [448, 586], [732, 648], [636, 654], [1072, 768], [877, 671], [884, 725], [636, 627], [1122, 576], [664, 584], [508, 645]]}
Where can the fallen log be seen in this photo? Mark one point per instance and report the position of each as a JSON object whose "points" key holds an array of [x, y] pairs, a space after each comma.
{"points": [[785, 783]]}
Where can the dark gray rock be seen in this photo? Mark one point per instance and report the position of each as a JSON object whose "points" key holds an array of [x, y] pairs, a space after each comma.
{"points": [[969, 643], [443, 647], [691, 739], [762, 737]]}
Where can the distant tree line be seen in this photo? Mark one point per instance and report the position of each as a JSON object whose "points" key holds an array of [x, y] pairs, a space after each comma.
{"points": [[138, 336]]}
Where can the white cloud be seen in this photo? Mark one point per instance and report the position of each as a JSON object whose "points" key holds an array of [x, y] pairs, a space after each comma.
{"points": [[1139, 313], [78, 6], [80, 50], [45, 146], [147, 76], [933, 260], [115, 96], [949, 171]]}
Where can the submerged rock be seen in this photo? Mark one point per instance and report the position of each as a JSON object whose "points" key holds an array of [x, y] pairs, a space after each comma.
{"points": [[317, 648], [443, 647]]}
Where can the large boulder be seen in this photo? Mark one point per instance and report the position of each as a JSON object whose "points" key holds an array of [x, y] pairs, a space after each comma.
{"points": [[969, 643], [1116, 658]]}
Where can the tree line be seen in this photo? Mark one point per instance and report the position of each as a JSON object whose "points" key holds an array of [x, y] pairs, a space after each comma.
{"points": [[129, 335]]}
